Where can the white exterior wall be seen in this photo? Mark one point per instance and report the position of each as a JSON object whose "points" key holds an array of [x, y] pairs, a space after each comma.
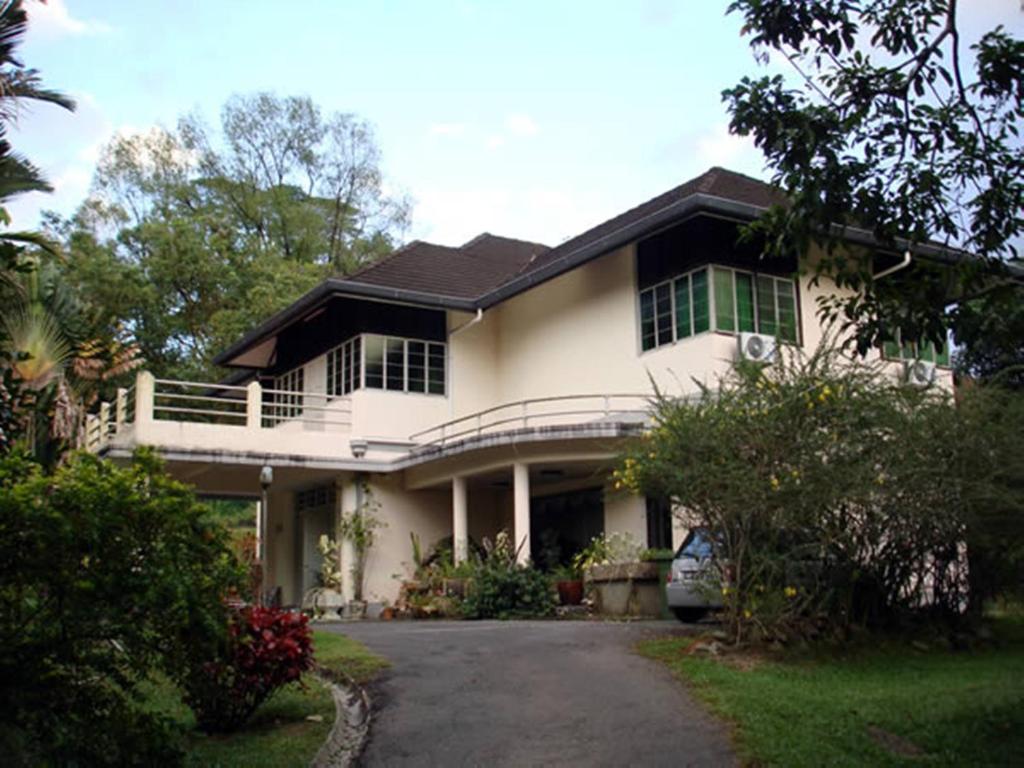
{"points": [[625, 513]]}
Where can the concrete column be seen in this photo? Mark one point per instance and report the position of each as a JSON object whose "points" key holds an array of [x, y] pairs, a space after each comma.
{"points": [[104, 422], [121, 409], [145, 387], [460, 519], [348, 499], [253, 405], [521, 500]]}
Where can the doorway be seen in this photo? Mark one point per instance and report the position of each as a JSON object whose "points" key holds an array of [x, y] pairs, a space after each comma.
{"points": [[562, 524]]}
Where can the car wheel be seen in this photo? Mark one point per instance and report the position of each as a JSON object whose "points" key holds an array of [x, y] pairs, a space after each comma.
{"points": [[690, 615]]}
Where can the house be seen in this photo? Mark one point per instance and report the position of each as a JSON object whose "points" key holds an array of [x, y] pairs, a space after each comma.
{"points": [[482, 387]]}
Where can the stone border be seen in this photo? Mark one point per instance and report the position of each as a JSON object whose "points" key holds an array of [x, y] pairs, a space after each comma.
{"points": [[351, 726]]}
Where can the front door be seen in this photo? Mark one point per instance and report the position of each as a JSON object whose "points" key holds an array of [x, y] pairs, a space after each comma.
{"points": [[562, 524]]}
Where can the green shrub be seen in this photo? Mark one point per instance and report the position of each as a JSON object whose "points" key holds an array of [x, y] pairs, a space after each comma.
{"points": [[106, 573], [500, 588]]}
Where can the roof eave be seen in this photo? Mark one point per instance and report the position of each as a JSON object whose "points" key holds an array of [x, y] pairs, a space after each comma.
{"points": [[327, 290]]}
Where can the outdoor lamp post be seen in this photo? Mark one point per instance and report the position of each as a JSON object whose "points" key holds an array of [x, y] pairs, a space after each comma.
{"points": [[266, 478]]}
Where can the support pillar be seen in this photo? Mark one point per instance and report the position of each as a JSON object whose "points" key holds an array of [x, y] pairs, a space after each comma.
{"points": [[521, 501], [460, 519]]}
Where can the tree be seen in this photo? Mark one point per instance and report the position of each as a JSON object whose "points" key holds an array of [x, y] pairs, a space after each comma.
{"points": [[891, 127], [191, 238], [106, 574]]}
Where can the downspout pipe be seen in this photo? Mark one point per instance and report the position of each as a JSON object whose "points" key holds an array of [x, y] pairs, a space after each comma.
{"points": [[451, 356], [904, 263]]}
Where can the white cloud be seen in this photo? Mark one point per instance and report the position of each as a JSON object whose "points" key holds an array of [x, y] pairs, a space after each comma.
{"points": [[521, 125], [495, 141], [719, 147], [447, 129], [53, 20]]}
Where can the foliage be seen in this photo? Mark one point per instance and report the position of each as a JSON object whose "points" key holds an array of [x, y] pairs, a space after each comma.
{"points": [[868, 700], [607, 549], [838, 495], [192, 238], [889, 129], [330, 573], [106, 572], [502, 588], [360, 526], [265, 649]]}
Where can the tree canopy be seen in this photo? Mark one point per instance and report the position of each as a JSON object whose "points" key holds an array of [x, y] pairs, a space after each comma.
{"points": [[899, 125], [191, 236]]}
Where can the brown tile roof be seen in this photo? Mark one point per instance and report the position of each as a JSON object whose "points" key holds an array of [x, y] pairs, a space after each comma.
{"points": [[487, 262], [466, 272]]}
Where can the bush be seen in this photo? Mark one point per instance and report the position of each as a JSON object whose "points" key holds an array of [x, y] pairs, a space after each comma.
{"points": [[503, 589], [838, 495], [267, 648], [106, 573]]}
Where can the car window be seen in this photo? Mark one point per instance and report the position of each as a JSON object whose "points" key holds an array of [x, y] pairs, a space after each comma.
{"points": [[696, 545]]}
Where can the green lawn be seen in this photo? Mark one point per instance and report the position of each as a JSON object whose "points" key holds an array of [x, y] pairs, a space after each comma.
{"points": [[280, 733], [889, 705]]}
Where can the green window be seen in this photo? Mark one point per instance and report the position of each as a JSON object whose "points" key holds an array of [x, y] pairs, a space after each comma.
{"points": [[725, 303], [701, 313], [684, 325], [647, 336], [767, 322], [897, 349], [417, 362], [436, 369], [785, 296], [745, 301], [663, 313]]}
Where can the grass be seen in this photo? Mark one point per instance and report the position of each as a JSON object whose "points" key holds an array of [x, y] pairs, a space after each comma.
{"points": [[281, 732], [889, 705]]}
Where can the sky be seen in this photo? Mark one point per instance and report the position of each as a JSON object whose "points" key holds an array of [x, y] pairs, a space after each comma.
{"points": [[527, 119]]}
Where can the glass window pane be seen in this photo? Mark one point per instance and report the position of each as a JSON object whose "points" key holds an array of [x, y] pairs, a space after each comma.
{"points": [[436, 369], [891, 350], [374, 362], [766, 321], [332, 360], [395, 369], [725, 305], [663, 313], [787, 310], [745, 301], [683, 326], [417, 366], [357, 360], [343, 369], [647, 340], [699, 284]]}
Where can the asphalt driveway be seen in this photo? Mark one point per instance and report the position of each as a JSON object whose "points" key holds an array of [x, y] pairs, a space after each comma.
{"points": [[530, 694]]}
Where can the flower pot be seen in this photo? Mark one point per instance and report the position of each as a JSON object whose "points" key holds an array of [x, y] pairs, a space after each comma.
{"points": [[356, 609], [570, 592]]}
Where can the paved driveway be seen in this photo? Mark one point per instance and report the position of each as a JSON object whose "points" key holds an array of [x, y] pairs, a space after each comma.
{"points": [[530, 694]]}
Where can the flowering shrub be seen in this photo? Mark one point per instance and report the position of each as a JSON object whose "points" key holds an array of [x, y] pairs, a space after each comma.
{"points": [[266, 649], [504, 589]]}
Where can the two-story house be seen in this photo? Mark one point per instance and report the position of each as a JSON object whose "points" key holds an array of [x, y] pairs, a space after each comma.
{"points": [[478, 388]]}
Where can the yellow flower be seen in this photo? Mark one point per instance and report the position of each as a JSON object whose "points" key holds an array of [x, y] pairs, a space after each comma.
{"points": [[652, 455], [790, 591], [725, 591], [880, 479], [747, 614], [795, 473], [618, 485], [775, 483]]}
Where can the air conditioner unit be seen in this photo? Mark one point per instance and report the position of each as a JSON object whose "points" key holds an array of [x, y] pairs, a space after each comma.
{"points": [[757, 347], [919, 373]]}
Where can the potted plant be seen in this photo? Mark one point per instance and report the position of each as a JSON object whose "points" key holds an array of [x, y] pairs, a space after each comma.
{"points": [[327, 596], [569, 582], [359, 527]]}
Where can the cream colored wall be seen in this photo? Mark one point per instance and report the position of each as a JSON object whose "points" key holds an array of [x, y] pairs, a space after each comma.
{"points": [[473, 375], [428, 513], [281, 544], [395, 415]]}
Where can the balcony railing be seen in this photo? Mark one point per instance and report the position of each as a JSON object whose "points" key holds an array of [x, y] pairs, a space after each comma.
{"points": [[231, 413], [539, 412]]}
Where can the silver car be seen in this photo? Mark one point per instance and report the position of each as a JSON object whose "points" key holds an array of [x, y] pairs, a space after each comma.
{"points": [[694, 584]]}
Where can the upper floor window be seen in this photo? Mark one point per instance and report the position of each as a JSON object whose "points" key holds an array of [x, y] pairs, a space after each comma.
{"points": [[288, 397], [899, 350], [344, 367], [387, 362], [721, 299]]}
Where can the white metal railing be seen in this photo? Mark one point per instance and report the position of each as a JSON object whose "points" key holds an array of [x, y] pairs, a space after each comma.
{"points": [[564, 410], [287, 406], [175, 400]]}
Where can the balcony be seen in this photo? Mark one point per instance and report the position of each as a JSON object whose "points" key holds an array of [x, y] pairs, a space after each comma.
{"points": [[251, 424]]}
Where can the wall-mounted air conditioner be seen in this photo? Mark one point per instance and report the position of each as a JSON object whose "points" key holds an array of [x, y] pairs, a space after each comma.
{"points": [[757, 347]]}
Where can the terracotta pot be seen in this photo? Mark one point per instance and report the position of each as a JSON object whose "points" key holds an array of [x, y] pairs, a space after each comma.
{"points": [[570, 592]]}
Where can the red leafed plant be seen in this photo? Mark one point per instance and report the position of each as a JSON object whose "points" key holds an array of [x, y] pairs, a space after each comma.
{"points": [[266, 648]]}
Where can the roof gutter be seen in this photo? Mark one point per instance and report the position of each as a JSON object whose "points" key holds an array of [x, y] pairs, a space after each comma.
{"points": [[895, 268]]}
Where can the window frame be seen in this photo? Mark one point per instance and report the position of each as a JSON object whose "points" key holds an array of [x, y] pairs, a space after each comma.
{"points": [[901, 357], [710, 270], [357, 373], [290, 405]]}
